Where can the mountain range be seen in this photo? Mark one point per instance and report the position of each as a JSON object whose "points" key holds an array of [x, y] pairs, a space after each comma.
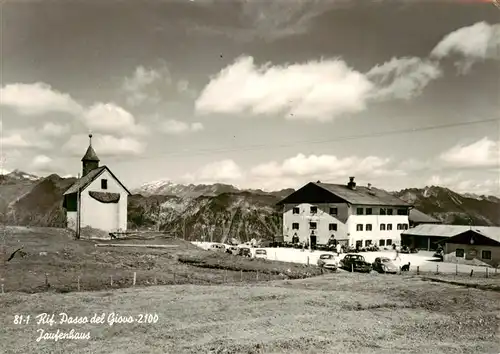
{"points": [[213, 212]]}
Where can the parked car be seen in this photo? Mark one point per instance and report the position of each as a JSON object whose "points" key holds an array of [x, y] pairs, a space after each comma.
{"points": [[245, 252], [406, 249], [217, 247], [233, 250], [384, 265], [260, 253], [328, 261], [355, 262]]}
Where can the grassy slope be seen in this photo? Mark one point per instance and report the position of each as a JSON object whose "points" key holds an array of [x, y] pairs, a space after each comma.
{"points": [[337, 313], [67, 259]]}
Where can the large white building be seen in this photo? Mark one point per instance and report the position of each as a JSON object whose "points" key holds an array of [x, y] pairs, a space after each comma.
{"points": [[352, 215], [98, 199]]}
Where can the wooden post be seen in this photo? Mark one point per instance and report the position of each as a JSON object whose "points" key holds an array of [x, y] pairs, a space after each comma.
{"points": [[418, 270], [78, 283], [352, 267], [241, 275], [486, 272], [471, 272], [308, 261], [46, 280], [225, 275], [257, 276], [456, 269], [174, 277], [111, 280], [2, 289], [155, 281], [135, 278], [437, 268]]}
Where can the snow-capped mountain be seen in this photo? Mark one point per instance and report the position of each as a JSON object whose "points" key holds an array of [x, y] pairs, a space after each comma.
{"points": [[162, 187], [20, 175]]}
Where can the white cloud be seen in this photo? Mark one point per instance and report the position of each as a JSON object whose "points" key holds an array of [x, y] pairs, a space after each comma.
{"points": [[140, 87], [110, 118], [225, 171], [24, 138], [54, 129], [482, 153], [105, 145], [403, 78], [42, 163], [473, 43], [177, 127], [37, 98], [459, 184], [317, 90]]}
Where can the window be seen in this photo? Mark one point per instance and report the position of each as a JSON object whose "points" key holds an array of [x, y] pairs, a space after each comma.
{"points": [[383, 211], [295, 226], [389, 211], [296, 210], [104, 184], [334, 211], [368, 227], [400, 226], [388, 242], [486, 254], [389, 227], [369, 211], [459, 252], [382, 227], [381, 242], [405, 226], [332, 227], [368, 243], [359, 211], [402, 212], [359, 227], [312, 225], [314, 210]]}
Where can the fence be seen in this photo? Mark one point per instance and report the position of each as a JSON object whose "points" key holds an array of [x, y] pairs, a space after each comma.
{"points": [[64, 282]]}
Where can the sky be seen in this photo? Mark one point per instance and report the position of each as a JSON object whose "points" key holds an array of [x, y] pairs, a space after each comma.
{"points": [[258, 94]]}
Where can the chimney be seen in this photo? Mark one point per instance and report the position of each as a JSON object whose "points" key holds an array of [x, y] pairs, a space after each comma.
{"points": [[369, 186], [351, 184]]}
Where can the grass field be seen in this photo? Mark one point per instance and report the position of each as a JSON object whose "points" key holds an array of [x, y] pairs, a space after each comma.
{"points": [[69, 262], [335, 313]]}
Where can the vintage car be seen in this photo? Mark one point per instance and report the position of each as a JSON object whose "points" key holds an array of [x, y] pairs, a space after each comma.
{"points": [[328, 261], [384, 265], [260, 253], [356, 263], [218, 247], [245, 252]]}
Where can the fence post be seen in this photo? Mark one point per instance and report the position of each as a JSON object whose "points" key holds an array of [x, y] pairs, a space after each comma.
{"points": [[418, 270], [471, 272], [135, 278], [241, 275], [2, 289], [78, 283], [486, 272], [308, 261], [111, 280], [174, 277], [456, 269], [257, 276], [155, 281], [46, 280], [437, 268], [225, 275], [352, 267]]}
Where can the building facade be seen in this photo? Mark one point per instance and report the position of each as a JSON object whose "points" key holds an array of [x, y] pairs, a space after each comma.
{"points": [[98, 199], [474, 247], [349, 214]]}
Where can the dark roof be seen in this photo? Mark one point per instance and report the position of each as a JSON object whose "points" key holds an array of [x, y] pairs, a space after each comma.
{"points": [[417, 216], [363, 195], [83, 182], [90, 155]]}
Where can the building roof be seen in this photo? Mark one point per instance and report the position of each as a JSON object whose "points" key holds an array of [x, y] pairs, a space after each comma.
{"points": [[441, 230], [90, 155], [83, 182], [363, 195], [417, 216]]}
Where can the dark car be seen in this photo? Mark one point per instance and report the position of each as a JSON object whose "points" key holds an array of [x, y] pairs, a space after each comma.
{"points": [[245, 252], [384, 265], [355, 262]]}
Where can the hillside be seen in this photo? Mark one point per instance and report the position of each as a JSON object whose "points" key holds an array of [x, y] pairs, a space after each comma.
{"points": [[214, 211]]}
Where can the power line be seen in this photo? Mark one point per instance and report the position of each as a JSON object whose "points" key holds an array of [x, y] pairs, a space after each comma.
{"points": [[311, 142]]}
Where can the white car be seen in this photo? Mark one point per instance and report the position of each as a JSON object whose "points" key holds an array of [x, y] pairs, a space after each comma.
{"points": [[218, 247], [260, 253], [328, 261]]}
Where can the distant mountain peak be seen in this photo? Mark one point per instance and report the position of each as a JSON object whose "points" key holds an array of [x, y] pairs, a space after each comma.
{"points": [[18, 174]]}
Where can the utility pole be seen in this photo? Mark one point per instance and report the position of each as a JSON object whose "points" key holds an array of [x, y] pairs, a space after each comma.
{"points": [[78, 209]]}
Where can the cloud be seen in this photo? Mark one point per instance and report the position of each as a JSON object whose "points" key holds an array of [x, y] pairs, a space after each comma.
{"points": [[225, 171], [42, 163], [175, 127], [317, 90], [403, 78], [104, 145], [474, 43], [140, 87], [54, 129], [36, 99], [459, 184], [26, 138], [482, 153], [110, 118]]}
